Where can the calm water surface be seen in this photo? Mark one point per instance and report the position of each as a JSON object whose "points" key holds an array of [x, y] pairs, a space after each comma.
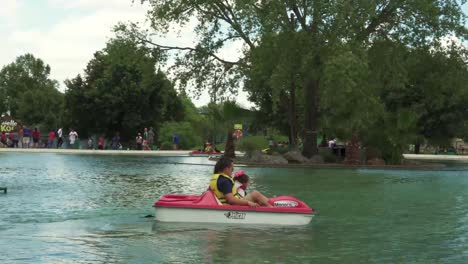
{"points": [[91, 209]]}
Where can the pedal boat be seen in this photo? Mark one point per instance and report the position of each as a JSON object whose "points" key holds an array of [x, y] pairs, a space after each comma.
{"points": [[206, 208]]}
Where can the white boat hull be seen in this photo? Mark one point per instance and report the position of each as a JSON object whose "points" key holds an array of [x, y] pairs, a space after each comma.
{"points": [[165, 214]]}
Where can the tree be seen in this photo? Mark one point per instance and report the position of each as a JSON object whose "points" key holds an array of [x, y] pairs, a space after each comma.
{"points": [[191, 129], [433, 87], [226, 115], [29, 94], [320, 28], [121, 91], [272, 83]]}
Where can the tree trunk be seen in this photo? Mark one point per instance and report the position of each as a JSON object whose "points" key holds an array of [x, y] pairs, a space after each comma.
{"points": [[311, 118], [417, 148], [292, 116], [229, 151], [353, 155], [324, 141]]}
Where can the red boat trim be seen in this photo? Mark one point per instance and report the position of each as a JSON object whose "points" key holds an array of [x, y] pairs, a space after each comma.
{"points": [[277, 210]]}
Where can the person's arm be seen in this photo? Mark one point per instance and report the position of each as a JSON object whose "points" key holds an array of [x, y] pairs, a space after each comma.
{"points": [[235, 201], [225, 186]]}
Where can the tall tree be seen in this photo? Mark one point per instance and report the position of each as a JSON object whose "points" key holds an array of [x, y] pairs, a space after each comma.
{"points": [[29, 94], [121, 91], [321, 27], [434, 88]]}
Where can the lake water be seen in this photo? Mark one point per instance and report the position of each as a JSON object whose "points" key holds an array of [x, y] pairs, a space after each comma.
{"points": [[91, 209]]}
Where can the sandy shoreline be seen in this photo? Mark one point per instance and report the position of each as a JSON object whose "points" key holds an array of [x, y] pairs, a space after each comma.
{"points": [[435, 157], [162, 153]]}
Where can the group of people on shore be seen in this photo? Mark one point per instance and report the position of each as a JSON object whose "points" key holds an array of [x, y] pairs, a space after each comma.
{"points": [[145, 141], [24, 137], [113, 144]]}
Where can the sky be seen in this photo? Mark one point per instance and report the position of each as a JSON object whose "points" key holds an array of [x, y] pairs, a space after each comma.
{"points": [[66, 33]]}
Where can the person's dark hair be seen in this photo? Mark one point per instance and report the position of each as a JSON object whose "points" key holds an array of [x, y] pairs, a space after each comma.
{"points": [[244, 178], [223, 162]]}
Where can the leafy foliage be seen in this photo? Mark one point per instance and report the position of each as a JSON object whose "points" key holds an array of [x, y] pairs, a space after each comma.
{"points": [[316, 56], [121, 91], [29, 94], [187, 138]]}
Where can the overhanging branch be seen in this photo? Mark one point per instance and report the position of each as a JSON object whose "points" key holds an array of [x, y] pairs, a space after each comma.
{"points": [[211, 54], [386, 15]]}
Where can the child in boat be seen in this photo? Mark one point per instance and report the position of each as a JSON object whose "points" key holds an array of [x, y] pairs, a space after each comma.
{"points": [[242, 182]]}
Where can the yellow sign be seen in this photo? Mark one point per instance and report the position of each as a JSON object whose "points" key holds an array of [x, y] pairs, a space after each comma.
{"points": [[7, 126], [238, 126]]}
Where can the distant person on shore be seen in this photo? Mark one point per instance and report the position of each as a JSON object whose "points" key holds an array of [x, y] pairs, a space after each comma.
{"points": [[20, 137], [26, 137], [72, 137], [145, 139], [36, 135], [90, 143], [139, 141], [150, 138], [271, 143], [116, 141], [14, 138], [175, 140], [59, 137], [101, 143], [4, 138], [50, 142]]}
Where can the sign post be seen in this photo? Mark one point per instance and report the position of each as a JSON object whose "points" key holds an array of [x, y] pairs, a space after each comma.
{"points": [[237, 131]]}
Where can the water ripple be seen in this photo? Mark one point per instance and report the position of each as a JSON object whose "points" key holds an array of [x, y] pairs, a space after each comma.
{"points": [[90, 209]]}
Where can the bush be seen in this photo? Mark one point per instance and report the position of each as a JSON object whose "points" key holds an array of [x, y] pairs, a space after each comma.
{"points": [[188, 139], [328, 155], [248, 146], [166, 145], [252, 143]]}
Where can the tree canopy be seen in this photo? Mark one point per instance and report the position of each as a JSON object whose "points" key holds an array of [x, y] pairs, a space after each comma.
{"points": [[29, 94], [305, 54], [121, 91]]}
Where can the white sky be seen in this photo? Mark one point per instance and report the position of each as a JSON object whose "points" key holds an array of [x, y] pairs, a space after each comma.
{"points": [[66, 33]]}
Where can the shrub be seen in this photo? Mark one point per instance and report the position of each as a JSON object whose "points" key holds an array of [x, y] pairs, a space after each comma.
{"points": [[252, 143], [188, 139], [248, 146], [166, 145], [328, 155]]}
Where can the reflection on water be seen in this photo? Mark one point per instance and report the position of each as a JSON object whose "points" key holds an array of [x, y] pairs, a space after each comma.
{"points": [[90, 209], [224, 243]]}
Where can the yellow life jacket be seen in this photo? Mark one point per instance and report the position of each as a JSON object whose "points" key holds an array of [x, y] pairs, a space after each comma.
{"points": [[217, 192]]}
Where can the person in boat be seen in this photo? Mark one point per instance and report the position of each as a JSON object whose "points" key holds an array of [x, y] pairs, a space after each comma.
{"points": [[242, 182], [223, 186], [208, 147]]}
